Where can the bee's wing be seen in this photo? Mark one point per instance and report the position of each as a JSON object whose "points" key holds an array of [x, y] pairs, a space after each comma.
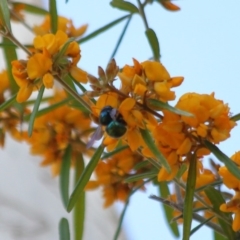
{"points": [[113, 113], [97, 135]]}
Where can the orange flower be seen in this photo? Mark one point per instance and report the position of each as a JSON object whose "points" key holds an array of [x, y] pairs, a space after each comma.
{"points": [[233, 206], [55, 130], [48, 59], [211, 116], [228, 179], [111, 173], [64, 25], [149, 79]]}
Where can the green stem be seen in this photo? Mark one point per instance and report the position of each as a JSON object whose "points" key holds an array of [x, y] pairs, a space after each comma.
{"points": [[10, 36], [73, 93], [79, 209], [142, 13]]}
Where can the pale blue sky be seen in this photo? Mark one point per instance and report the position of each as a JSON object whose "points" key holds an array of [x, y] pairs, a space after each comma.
{"points": [[200, 42]]}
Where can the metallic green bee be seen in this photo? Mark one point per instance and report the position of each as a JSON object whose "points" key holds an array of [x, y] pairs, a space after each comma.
{"points": [[115, 125]]}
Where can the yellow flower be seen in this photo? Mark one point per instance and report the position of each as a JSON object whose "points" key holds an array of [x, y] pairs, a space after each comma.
{"points": [[228, 179], [47, 61], [38, 65], [64, 25], [111, 173], [55, 130], [148, 79], [5, 85], [233, 206], [211, 116]]}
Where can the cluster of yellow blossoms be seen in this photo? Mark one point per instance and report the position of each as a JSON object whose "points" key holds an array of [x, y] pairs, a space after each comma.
{"points": [[139, 104], [52, 56], [111, 174], [54, 131]]}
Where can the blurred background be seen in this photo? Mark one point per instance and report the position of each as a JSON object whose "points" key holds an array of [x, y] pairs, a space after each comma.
{"points": [[199, 42]]}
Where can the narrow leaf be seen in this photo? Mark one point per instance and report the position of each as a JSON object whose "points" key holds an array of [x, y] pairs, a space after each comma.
{"points": [[83, 180], [164, 193], [153, 148], [31, 8], [154, 44], [48, 109], [124, 5], [229, 163], [218, 236], [117, 150], [213, 184], [181, 171], [142, 164], [53, 15], [64, 233], [9, 50], [120, 38], [188, 201], [5, 14], [8, 103], [200, 225], [64, 175], [216, 199], [79, 209], [235, 117], [163, 105], [35, 110], [102, 29], [140, 176], [63, 49]]}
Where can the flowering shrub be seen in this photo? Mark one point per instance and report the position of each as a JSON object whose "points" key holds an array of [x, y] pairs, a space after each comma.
{"points": [[144, 137]]}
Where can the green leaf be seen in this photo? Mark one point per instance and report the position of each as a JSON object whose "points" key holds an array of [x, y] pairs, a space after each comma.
{"points": [[75, 103], [153, 148], [53, 15], [140, 176], [31, 8], [141, 164], [83, 180], [125, 6], [63, 49], [235, 117], [163, 105], [154, 163], [64, 175], [218, 236], [200, 225], [79, 209], [182, 170], [154, 44], [35, 110], [164, 193], [229, 163], [9, 50], [117, 150], [120, 38], [8, 103], [48, 109], [102, 29], [213, 184], [217, 200], [188, 201], [64, 233], [5, 14]]}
